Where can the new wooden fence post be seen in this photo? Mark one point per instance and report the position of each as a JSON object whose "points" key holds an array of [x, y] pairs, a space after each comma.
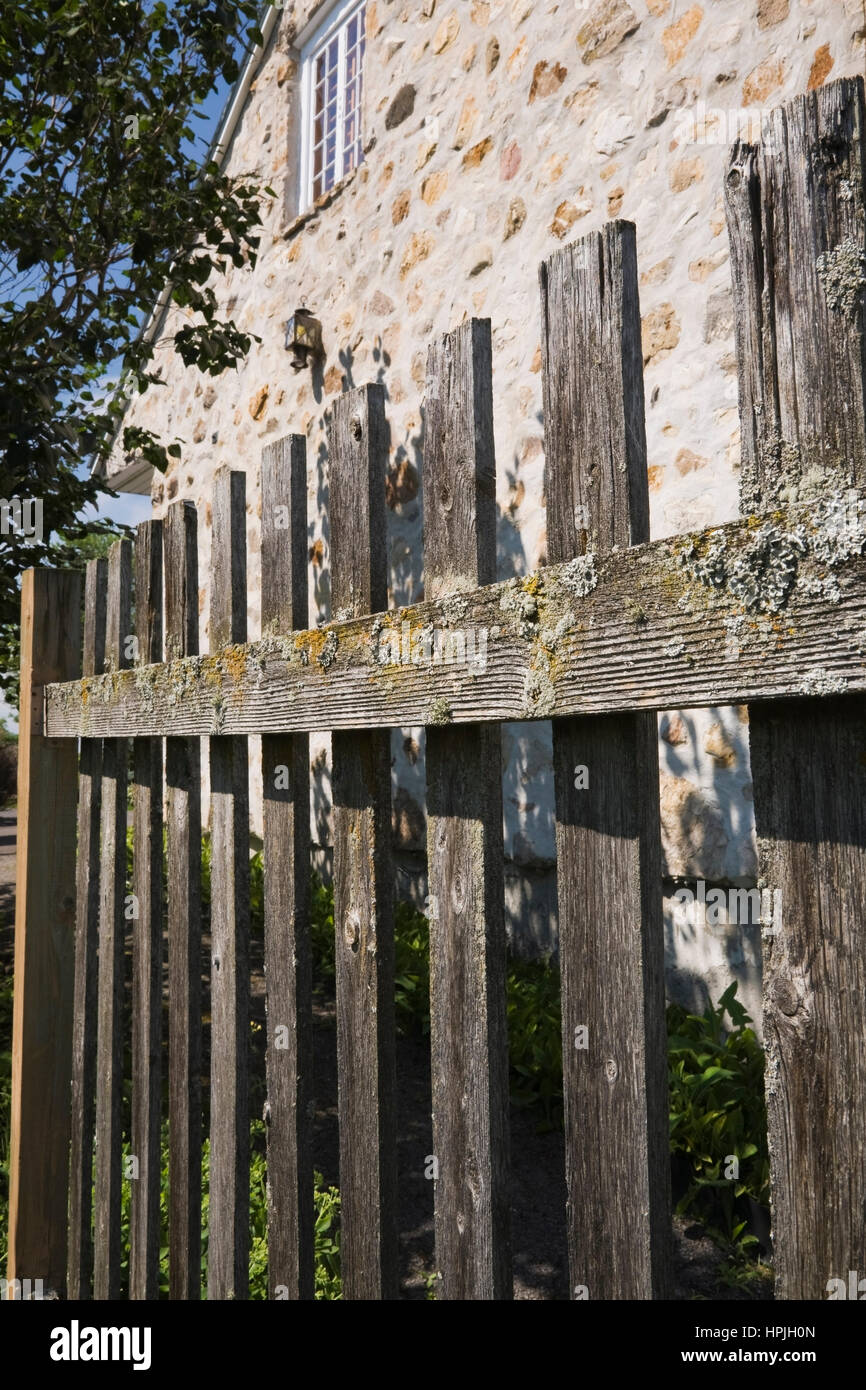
{"points": [[44, 937], [607, 795], [146, 940], [183, 852], [80, 1259], [112, 940], [797, 222], [469, 1046], [363, 877], [286, 835], [229, 1211]]}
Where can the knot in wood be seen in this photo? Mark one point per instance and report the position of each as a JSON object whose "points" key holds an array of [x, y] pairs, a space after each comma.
{"points": [[352, 929], [355, 426], [611, 1070], [787, 997]]}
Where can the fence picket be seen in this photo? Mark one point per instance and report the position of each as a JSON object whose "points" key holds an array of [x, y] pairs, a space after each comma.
{"points": [[79, 1283], [607, 832], [573, 639], [183, 913], [146, 939], [44, 933], [112, 941], [803, 423], [286, 852], [469, 1047], [363, 875], [229, 1234]]}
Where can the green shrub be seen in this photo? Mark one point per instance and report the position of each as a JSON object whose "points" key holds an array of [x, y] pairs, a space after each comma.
{"points": [[327, 1234], [717, 1110], [535, 1038], [322, 936]]}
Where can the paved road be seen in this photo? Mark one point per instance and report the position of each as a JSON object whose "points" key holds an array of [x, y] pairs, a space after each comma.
{"points": [[8, 832], [8, 829]]}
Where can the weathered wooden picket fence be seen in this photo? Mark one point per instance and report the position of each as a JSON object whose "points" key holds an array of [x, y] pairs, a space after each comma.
{"points": [[769, 611]]}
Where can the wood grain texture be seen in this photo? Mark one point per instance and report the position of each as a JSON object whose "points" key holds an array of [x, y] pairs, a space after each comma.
{"points": [[799, 318], [608, 853], [147, 953], [469, 1046], [183, 914], [648, 634], [802, 411], [358, 448], [363, 877], [594, 427], [229, 1227], [79, 1283], [809, 769], [459, 475], [112, 942], [44, 939], [286, 849], [228, 591]]}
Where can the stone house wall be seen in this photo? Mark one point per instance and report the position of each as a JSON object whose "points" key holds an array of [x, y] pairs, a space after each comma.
{"points": [[494, 132]]}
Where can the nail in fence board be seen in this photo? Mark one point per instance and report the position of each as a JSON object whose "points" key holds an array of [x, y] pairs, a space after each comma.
{"points": [[145, 1157], [83, 1114], [112, 941], [363, 878], [286, 853], [44, 934], [469, 1048], [183, 909], [802, 368], [229, 1234], [607, 833]]}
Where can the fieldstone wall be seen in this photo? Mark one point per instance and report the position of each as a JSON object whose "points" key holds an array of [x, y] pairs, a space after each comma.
{"points": [[495, 132]]}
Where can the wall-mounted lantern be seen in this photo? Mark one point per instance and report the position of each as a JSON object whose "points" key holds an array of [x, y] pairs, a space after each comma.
{"points": [[303, 338]]}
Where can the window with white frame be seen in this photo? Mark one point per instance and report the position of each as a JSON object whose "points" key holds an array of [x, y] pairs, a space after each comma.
{"points": [[332, 75]]}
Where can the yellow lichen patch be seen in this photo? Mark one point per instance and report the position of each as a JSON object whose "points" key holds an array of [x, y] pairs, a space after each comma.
{"points": [[315, 641], [211, 671], [234, 662]]}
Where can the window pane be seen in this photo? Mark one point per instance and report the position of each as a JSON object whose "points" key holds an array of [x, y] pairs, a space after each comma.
{"points": [[335, 134], [351, 133]]}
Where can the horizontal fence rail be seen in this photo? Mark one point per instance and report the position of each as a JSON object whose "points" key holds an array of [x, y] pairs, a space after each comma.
{"points": [[659, 626]]}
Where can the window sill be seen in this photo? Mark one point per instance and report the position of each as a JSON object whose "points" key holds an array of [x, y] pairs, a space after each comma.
{"points": [[325, 199]]}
